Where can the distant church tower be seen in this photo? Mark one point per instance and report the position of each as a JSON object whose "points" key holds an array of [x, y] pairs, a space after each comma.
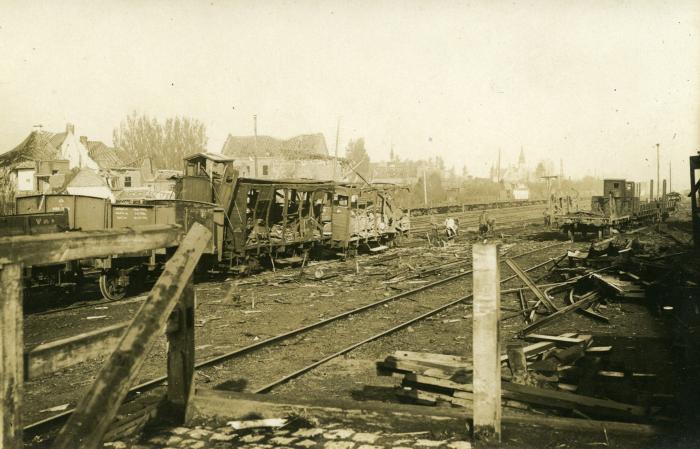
{"points": [[521, 159]]}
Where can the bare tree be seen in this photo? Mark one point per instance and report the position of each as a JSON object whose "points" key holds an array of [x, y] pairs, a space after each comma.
{"points": [[356, 153], [142, 136]]}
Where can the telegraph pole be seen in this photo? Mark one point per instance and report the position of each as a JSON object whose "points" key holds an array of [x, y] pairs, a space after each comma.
{"points": [[658, 173], [425, 187], [255, 143], [337, 135]]}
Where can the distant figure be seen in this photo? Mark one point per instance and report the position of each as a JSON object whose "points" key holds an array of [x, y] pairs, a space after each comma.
{"points": [[483, 223], [491, 224], [547, 218], [451, 227]]}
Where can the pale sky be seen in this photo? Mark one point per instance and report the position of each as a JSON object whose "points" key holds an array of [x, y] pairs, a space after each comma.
{"points": [[597, 84]]}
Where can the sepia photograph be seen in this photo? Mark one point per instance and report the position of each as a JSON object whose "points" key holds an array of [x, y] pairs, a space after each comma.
{"points": [[363, 224]]}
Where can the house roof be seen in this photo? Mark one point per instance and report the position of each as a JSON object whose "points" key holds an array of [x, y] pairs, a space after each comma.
{"points": [[36, 146], [86, 177], [299, 147], [25, 165], [105, 157], [57, 139]]}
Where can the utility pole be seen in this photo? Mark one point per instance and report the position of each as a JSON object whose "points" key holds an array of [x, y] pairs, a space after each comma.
{"points": [[337, 135], [561, 173], [255, 143], [425, 187], [670, 187], [498, 167], [658, 173]]}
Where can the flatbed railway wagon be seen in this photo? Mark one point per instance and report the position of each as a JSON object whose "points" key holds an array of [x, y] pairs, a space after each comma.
{"points": [[85, 213], [619, 207]]}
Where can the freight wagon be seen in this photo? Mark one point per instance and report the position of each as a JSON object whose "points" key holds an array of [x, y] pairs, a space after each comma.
{"points": [[619, 207]]}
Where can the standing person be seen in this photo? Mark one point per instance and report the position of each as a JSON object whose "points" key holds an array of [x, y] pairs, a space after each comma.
{"points": [[483, 223], [450, 228]]}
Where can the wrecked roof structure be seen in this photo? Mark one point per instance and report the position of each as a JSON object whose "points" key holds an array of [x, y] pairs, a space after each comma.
{"points": [[305, 146], [37, 145], [106, 157]]}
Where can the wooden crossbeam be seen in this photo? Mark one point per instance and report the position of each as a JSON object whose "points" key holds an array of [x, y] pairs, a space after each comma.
{"points": [[531, 285], [61, 247], [586, 300], [97, 409], [49, 357]]}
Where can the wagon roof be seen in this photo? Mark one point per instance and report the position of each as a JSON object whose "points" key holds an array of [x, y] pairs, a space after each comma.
{"points": [[287, 181], [212, 156]]}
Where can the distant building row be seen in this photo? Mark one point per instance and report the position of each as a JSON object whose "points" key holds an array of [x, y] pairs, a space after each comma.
{"points": [[48, 162]]}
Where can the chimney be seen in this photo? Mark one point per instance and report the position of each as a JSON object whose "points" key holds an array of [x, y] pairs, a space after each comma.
{"points": [[83, 140], [70, 128]]}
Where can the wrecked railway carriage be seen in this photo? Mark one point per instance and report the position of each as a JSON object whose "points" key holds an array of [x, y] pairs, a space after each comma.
{"points": [[619, 207], [250, 220]]}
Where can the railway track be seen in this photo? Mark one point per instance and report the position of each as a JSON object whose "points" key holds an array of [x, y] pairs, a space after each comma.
{"points": [[503, 216], [420, 300]]}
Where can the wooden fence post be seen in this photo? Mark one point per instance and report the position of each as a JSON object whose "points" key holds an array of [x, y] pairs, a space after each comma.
{"points": [[95, 412], [486, 344], [180, 334], [11, 356]]}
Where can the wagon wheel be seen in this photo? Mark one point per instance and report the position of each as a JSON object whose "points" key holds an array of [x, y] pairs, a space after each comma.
{"points": [[109, 286]]}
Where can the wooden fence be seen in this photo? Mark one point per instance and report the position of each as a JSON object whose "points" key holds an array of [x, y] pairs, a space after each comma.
{"points": [[169, 307]]}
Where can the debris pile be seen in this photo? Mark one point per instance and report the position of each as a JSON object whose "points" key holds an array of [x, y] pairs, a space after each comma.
{"points": [[553, 374]]}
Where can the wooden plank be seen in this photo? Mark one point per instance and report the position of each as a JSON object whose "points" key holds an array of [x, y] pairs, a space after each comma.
{"points": [[181, 353], [566, 400], [49, 357], [531, 285], [432, 358], [486, 343], [586, 300], [557, 340], [588, 311], [208, 404], [95, 412], [11, 364], [60, 247], [432, 398]]}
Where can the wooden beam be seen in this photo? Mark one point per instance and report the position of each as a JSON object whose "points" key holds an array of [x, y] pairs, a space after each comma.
{"points": [[207, 404], [531, 285], [96, 410], [49, 357], [556, 339], [586, 300], [181, 353], [11, 366], [567, 401], [486, 344], [61, 247]]}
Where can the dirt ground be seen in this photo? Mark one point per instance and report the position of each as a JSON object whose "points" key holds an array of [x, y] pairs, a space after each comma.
{"points": [[235, 312]]}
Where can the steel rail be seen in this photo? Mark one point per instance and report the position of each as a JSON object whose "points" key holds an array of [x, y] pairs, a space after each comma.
{"points": [[241, 351], [400, 326]]}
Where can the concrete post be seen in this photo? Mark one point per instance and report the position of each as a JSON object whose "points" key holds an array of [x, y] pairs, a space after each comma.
{"points": [[486, 345]]}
